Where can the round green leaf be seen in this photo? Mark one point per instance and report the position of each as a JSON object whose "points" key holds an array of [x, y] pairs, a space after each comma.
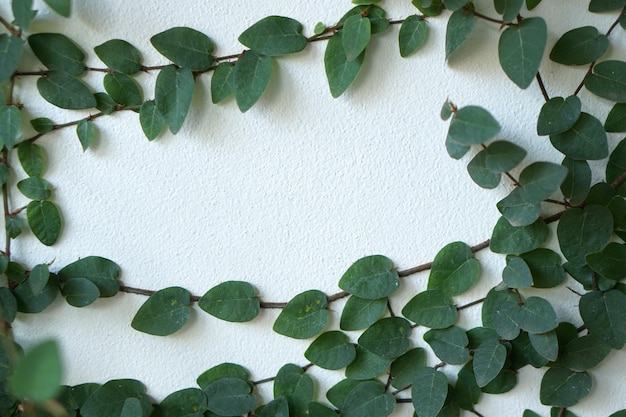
{"points": [[561, 387], [616, 166], [494, 297], [62, 7], [304, 316], [274, 36], [403, 369], [340, 71], [432, 308], [508, 318], [429, 391], [120, 56], [610, 262], [189, 402], [173, 93], [521, 48], [459, 27], [546, 344], [103, 272], [372, 277], [185, 47], [230, 397], [508, 239], [222, 82], [516, 274], [108, 400], [455, 149], [368, 399], [545, 267], [584, 353], [454, 269], [472, 125], [359, 313], [367, 365], [80, 292], [599, 6], [450, 345], [584, 231], [586, 139], [150, 119], [38, 278], [58, 52], [223, 370], [503, 156], [35, 188], [44, 220], [540, 179], [37, 376], [337, 393], [488, 361], [413, 34], [608, 80], [11, 50], [331, 350], [296, 386], [234, 301], [123, 89], [580, 46], [164, 313], [480, 174], [558, 115], [356, 34], [28, 302], [538, 316], [388, 337], [504, 382], [517, 210], [251, 77], [575, 187], [603, 314], [32, 158]]}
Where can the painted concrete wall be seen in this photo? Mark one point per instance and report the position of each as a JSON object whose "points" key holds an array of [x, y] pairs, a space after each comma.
{"points": [[285, 196]]}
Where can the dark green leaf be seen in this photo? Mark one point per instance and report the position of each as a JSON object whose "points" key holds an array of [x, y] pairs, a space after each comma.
{"points": [[234, 301], [44, 220], [516, 274], [27, 302], [466, 391], [58, 52], [65, 91], [580, 46], [561, 387], [520, 50], [558, 115], [503, 156], [540, 179], [274, 36], [356, 34], [538, 316], [376, 15], [584, 353], [494, 297], [32, 158], [450, 344], [546, 344], [62, 7], [509, 9], [598, 6], [173, 94], [368, 399], [150, 119], [371, 277], [515, 240], [429, 7], [304, 316], [104, 103], [403, 369], [38, 278], [507, 319], [123, 89], [480, 174], [488, 361], [454, 269], [222, 81], [108, 400], [340, 71], [185, 47], [251, 77], [278, 407], [223, 370], [80, 292], [616, 119], [319, 410], [120, 56], [460, 26], [504, 382], [603, 314], [588, 279], [359, 313], [584, 231], [518, 211], [388, 337], [10, 121], [331, 350], [8, 306], [478, 335], [472, 125], [616, 166], [413, 34], [545, 267], [189, 402], [585, 140], [164, 313], [367, 365], [85, 132], [608, 80], [102, 272], [37, 376], [11, 49], [575, 187], [454, 4], [432, 308], [337, 393], [35, 188], [230, 397], [429, 391], [5, 174], [22, 12], [42, 125], [610, 262], [292, 383]]}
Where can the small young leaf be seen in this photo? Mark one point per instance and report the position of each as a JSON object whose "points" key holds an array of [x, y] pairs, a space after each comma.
{"points": [[503, 156], [62, 7], [65, 91], [304, 316], [508, 239], [584, 231], [80, 292], [454, 269], [480, 174], [429, 391], [585, 140], [356, 34], [103, 272], [44, 220], [561, 387], [331, 350], [580, 46], [35, 188], [274, 36], [575, 187], [11, 49], [164, 313], [85, 132], [150, 119], [521, 48], [58, 52], [222, 82], [608, 80], [460, 26], [494, 297], [488, 361], [413, 34], [387, 338], [37, 376], [432, 308], [340, 71], [10, 121], [185, 47], [472, 125], [604, 315], [32, 158], [540, 179], [371, 277], [123, 89], [234, 301], [558, 115], [359, 313], [450, 345], [173, 94], [120, 56], [251, 77]]}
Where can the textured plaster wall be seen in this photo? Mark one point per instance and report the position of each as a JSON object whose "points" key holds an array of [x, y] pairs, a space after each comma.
{"points": [[285, 196]]}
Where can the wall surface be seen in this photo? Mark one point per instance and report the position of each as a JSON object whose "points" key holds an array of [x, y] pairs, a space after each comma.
{"points": [[285, 196]]}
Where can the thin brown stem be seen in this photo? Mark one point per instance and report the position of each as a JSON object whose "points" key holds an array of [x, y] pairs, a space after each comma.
{"points": [[12, 29], [5, 206], [468, 305], [542, 87], [619, 180]]}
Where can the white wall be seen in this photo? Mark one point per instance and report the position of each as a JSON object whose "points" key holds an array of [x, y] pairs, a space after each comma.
{"points": [[285, 196]]}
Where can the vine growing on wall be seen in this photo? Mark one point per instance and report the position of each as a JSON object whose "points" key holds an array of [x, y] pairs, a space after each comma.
{"points": [[386, 366]]}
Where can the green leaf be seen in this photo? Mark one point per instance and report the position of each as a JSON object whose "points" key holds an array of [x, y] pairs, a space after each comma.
{"points": [[319, 410], [429, 391], [234, 301], [616, 119], [454, 5], [545, 267], [376, 15], [603, 314], [150, 119], [454, 269], [508, 318], [540, 180], [108, 400], [103, 272], [296, 386], [8, 307], [223, 370], [369, 399], [599, 6], [41, 125], [504, 382], [37, 376], [610, 262], [616, 166], [585, 140], [359, 313], [274, 36], [28, 302], [304, 316], [173, 94], [80, 292], [494, 297], [521, 48], [230, 397], [459, 27], [429, 7], [580, 46], [164, 313], [123, 89], [356, 34], [455, 149], [105, 103], [575, 187], [278, 407], [466, 391], [432, 308], [388, 337], [517, 210], [11, 49], [480, 174], [58, 52], [584, 353], [367, 365], [404, 368], [503, 156], [516, 274], [5, 174], [65, 91], [32, 158], [62, 7], [450, 344], [546, 344], [371, 277], [561, 387], [44, 220], [189, 402], [538, 316], [22, 12], [472, 125], [120, 56], [251, 77], [515, 240], [608, 80], [331, 350], [35, 188], [10, 121], [337, 393], [585, 276], [185, 47], [509, 9], [222, 82], [584, 231], [340, 71], [488, 361], [558, 115], [413, 34], [85, 132]]}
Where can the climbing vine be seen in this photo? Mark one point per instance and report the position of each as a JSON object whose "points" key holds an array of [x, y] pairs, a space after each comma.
{"points": [[385, 366]]}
